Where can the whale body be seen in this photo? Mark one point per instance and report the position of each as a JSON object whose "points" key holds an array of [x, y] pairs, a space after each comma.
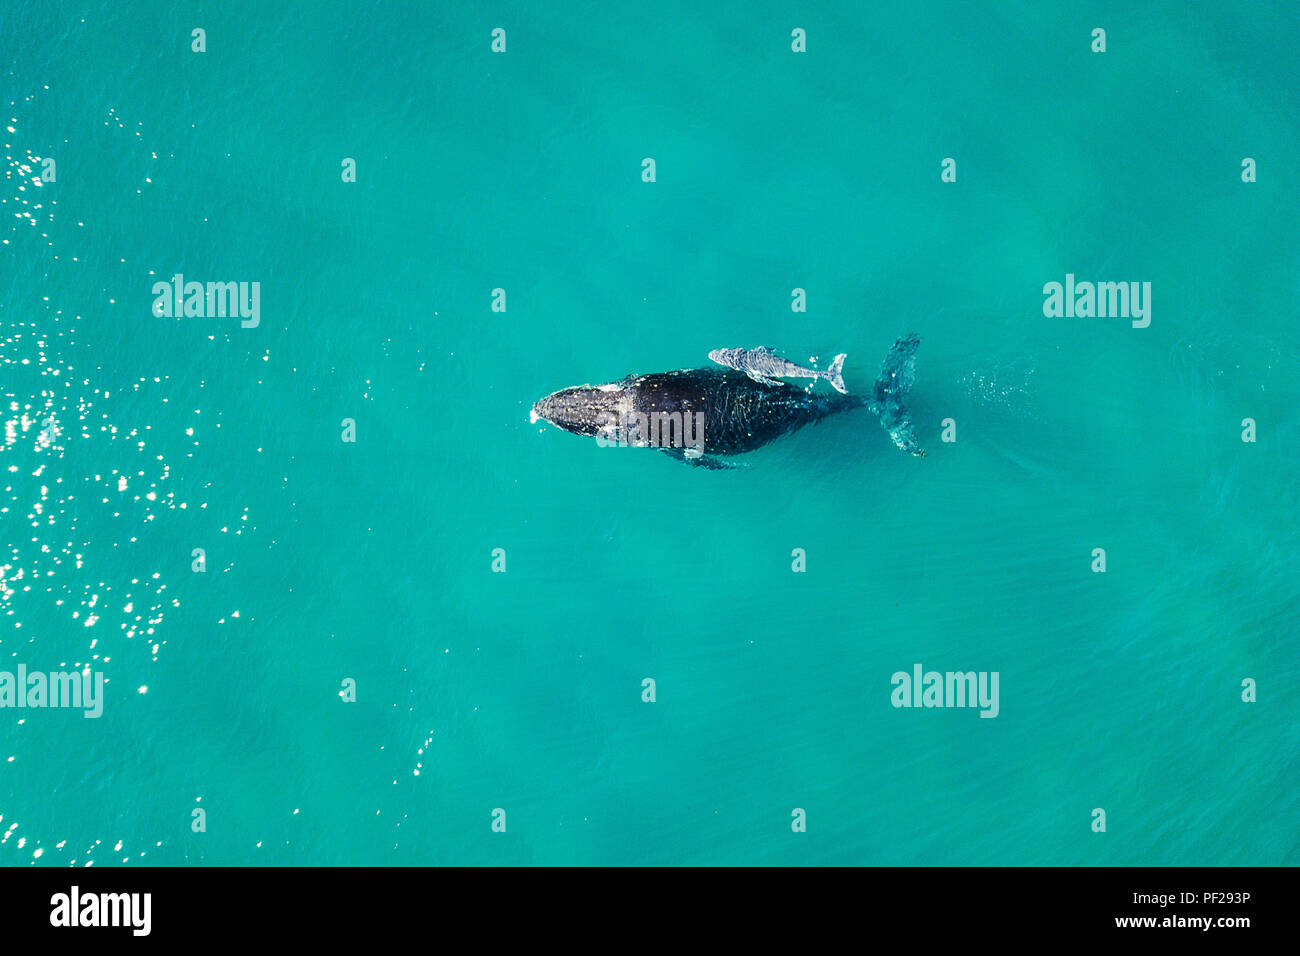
{"points": [[698, 415], [766, 366]]}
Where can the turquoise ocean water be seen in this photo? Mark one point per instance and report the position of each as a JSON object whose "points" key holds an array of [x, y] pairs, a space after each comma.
{"points": [[132, 440]]}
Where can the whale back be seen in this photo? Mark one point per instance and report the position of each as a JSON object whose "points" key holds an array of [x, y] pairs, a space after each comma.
{"points": [[740, 414]]}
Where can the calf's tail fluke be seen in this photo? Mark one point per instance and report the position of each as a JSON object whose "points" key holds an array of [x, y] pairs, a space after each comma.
{"points": [[835, 374], [891, 390]]}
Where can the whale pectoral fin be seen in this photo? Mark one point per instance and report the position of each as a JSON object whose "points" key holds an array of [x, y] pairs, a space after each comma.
{"points": [[711, 463], [693, 456], [763, 379]]}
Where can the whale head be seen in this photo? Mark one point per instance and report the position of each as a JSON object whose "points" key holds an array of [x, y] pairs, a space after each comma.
{"points": [[583, 409]]}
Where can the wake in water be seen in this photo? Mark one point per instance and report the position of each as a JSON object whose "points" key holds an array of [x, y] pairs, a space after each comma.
{"points": [[1007, 386]]}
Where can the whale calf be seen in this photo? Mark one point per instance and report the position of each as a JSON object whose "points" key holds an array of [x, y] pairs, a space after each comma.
{"points": [[766, 367], [701, 415]]}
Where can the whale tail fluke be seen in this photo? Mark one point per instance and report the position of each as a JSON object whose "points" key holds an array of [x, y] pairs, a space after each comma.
{"points": [[891, 391], [835, 374]]}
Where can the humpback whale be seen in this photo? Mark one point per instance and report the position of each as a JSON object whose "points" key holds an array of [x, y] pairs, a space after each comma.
{"points": [[699, 415], [766, 366]]}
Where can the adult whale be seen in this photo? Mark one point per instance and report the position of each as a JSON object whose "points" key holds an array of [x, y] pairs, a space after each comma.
{"points": [[697, 415]]}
